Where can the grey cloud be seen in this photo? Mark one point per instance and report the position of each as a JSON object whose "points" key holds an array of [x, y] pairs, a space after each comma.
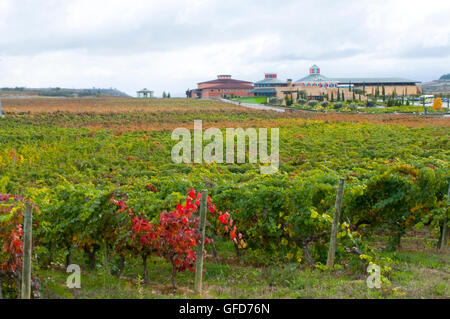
{"points": [[426, 52], [352, 35], [320, 55], [37, 29]]}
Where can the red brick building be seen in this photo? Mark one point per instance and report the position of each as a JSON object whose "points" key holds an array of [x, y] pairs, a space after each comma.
{"points": [[223, 87]]}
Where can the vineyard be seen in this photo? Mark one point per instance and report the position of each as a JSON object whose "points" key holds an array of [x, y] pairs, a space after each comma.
{"points": [[106, 195]]}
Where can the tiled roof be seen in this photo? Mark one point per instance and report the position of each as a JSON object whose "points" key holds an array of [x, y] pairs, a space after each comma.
{"points": [[228, 86], [270, 81], [143, 91], [318, 78], [226, 81]]}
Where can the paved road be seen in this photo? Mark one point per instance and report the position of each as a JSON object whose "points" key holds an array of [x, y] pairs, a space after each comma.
{"points": [[255, 106]]}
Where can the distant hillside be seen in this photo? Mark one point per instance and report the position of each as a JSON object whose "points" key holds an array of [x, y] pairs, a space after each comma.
{"points": [[60, 92], [438, 86]]}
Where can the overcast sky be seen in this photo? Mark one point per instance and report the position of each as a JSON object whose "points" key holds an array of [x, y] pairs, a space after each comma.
{"points": [[173, 44]]}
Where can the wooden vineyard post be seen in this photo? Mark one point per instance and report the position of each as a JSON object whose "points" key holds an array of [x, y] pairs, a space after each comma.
{"points": [[201, 246], [26, 261], [335, 225], [444, 234]]}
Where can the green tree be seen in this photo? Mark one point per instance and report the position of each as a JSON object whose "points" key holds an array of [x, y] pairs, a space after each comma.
{"points": [[301, 95], [288, 100], [338, 95], [164, 95]]}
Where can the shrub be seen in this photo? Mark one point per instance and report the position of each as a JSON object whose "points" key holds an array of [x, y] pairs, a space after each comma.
{"points": [[275, 101], [313, 103], [325, 103], [176, 236], [337, 105], [11, 241], [353, 107], [437, 104], [301, 101], [281, 216], [371, 103], [79, 214], [394, 201]]}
